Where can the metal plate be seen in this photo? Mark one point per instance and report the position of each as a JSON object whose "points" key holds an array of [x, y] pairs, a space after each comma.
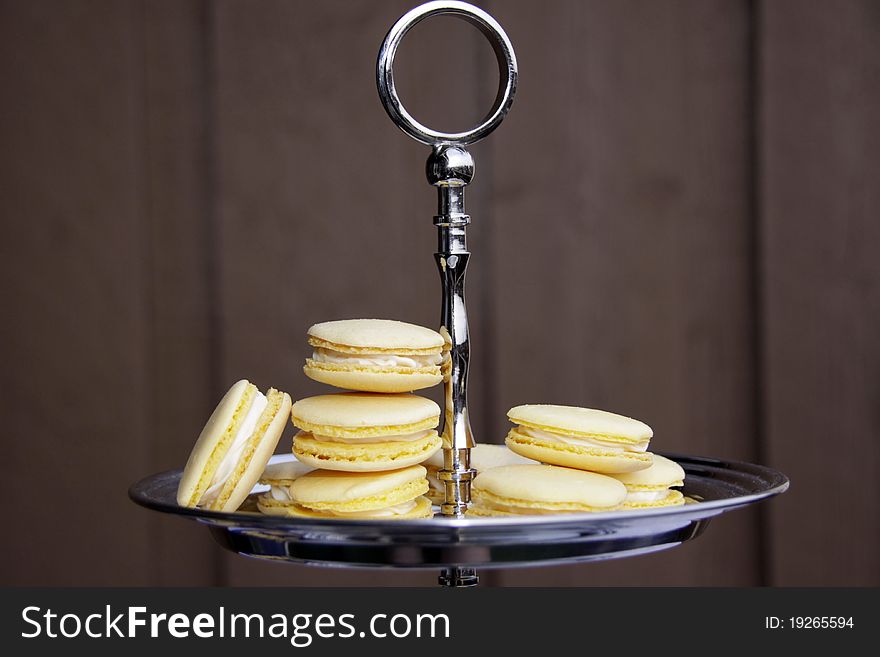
{"points": [[478, 542]]}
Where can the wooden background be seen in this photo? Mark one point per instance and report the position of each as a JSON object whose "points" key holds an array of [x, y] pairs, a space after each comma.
{"points": [[678, 221]]}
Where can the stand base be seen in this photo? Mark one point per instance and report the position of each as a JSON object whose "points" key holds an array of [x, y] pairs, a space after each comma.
{"points": [[458, 577]]}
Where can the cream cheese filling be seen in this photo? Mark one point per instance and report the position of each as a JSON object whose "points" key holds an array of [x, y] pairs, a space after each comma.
{"points": [[236, 449], [280, 493], [642, 496], [387, 512], [323, 355], [524, 511], [398, 438], [584, 441]]}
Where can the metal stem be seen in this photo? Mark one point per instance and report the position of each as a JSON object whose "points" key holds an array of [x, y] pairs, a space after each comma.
{"points": [[450, 169]]}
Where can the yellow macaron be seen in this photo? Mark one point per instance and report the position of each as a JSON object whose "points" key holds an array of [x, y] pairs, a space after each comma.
{"points": [[233, 448], [375, 355], [483, 457], [582, 438], [651, 487], [389, 495], [279, 477], [512, 490], [364, 432]]}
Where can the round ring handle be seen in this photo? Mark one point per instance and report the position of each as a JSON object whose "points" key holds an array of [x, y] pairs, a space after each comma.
{"points": [[507, 72]]}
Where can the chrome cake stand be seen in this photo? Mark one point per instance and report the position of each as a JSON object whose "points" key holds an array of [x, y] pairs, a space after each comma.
{"points": [[451, 541]]}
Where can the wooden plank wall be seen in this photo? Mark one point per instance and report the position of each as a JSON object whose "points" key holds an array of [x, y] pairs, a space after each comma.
{"points": [[675, 222], [820, 208], [104, 340], [627, 275]]}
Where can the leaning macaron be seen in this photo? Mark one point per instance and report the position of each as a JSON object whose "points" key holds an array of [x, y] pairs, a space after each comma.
{"points": [[233, 448], [582, 438], [651, 487], [279, 477], [364, 432], [390, 495], [375, 355], [483, 457], [513, 490]]}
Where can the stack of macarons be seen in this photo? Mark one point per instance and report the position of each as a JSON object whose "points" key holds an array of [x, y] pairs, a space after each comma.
{"points": [[374, 452], [365, 446], [594, 461]]}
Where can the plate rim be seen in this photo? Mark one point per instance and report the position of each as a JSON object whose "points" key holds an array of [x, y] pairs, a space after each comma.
{"points": [[776, 483]]}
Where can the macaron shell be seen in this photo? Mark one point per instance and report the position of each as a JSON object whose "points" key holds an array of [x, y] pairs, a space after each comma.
{"points": [[223, 423], [393, 497], [435, 462], [578, 421], [269, 506], [547, 487], [364, 457], [376, 336], [421, 510], [592, 459], [358, 491], [362, 414], [244, 481], [484, 457], [479, 509], [366, 379], [663, 473], [675, 498], [512, 506]]}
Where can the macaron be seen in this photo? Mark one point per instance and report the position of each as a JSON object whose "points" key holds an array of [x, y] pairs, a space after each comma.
{"points": [[512, 490], [279, 477], [233, 448], [365, 432], [375, 355], [582, 438], [393, 494], [483, 457], [650, 487]]}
